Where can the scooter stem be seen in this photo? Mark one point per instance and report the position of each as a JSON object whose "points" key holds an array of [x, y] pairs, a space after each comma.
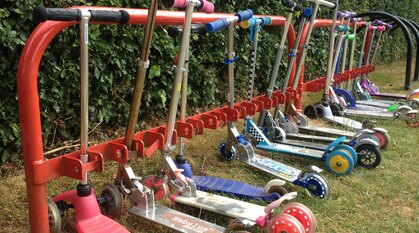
{"points": [[180, 69], [84, 89], [230, 56], [329, 71], [141, 73]]}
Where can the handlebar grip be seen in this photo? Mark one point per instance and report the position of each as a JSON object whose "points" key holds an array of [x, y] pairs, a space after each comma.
{"points": [[206, 6], [42, 14], [291, 4], [265, 21], [307, 12], [389, 26], [175, 3], [248, 23], [350, 36], [216, 25], [244, 15], [342, 28], [120, 16], [356, 19], [342, 14], [175, 31], [381, 28], [378, 22]]}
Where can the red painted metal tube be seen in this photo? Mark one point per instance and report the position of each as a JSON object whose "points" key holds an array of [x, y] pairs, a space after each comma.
{"points": [[28, 96]]}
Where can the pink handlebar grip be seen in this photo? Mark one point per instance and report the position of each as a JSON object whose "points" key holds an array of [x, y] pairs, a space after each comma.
{"points": [[378, 28], [206, 7]]}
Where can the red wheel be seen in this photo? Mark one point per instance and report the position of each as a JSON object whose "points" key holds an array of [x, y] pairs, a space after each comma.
{"points": [[303, 214], [383, 139], [158, 185], [411, 121], [284, 223]]}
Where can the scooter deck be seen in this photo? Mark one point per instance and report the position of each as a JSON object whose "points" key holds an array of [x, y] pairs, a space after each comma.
{"points": [[344, 122], [292, 150], [326, 131], [233, 187], [369, 114], [176, 220], [222, 205], [302, 143], [274, 168], [313, 138], [389, 95], [375, 103]]}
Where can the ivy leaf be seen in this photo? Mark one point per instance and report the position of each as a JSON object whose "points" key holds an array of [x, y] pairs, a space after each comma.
{"points": [[154, 71]]}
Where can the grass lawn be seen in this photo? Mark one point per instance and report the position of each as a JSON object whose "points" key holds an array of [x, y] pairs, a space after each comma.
{"points": [[385, 199]]}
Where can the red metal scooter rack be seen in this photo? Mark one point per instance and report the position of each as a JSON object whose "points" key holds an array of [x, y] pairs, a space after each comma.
{"points": [[39, 171]]}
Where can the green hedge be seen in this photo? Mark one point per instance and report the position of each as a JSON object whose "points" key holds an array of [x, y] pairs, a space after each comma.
{"points": [[114, 52]]}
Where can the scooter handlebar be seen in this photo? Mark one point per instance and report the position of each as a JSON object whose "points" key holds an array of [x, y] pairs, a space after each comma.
{"points": [[382, 23], [291, 4], [223, 23], [175, 31], [350, 36], [120, 16], [324, 3], [378, 28], [262, 21], [42, 14], [204, 6], [346, 14]]}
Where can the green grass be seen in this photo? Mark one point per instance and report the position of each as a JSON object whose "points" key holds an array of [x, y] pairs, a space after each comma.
{"points": [[385, 199]]}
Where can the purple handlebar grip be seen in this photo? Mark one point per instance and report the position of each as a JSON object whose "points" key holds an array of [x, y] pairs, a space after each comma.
{"points": [[207, 7], [389, 26], [378, 22], [356, 19], [342, 14]]}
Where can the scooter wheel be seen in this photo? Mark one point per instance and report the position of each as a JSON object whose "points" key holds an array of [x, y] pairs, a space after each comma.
{"points": [[336, 110], [318, 185], [112, 207], [226, 155], [303, 214], [339, 163], [368, 156], [411, 120], [383, 139], [348, 150], [54, 217], [284, 223], [275, 186], [310, 111]]}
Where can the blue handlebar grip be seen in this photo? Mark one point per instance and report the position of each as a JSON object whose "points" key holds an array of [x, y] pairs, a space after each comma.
{"points": [[216, 25], [342, 28], [265, 21], [244, 15], [307, 12]]}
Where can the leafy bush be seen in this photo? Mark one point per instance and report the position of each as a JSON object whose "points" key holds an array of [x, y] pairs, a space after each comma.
{"points": [[113, 56]]}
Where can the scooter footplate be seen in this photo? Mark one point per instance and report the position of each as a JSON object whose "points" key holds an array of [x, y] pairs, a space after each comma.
{"points": [[233, 187], [176, 220], [374, 103], [327, 131], [344, 122], [222, 205], [100, 224], [275, 168], [283, 148], [313, 138], [369, 114]]}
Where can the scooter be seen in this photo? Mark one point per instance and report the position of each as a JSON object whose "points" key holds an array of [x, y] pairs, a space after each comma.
{"points": [[272, 190], [87, 211], [185, 190], [236, 145]]}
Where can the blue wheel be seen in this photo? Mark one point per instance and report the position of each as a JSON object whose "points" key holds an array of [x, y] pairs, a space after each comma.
{"points": [[349, 150], [318, 185], [339, 163], [226, 155]]}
